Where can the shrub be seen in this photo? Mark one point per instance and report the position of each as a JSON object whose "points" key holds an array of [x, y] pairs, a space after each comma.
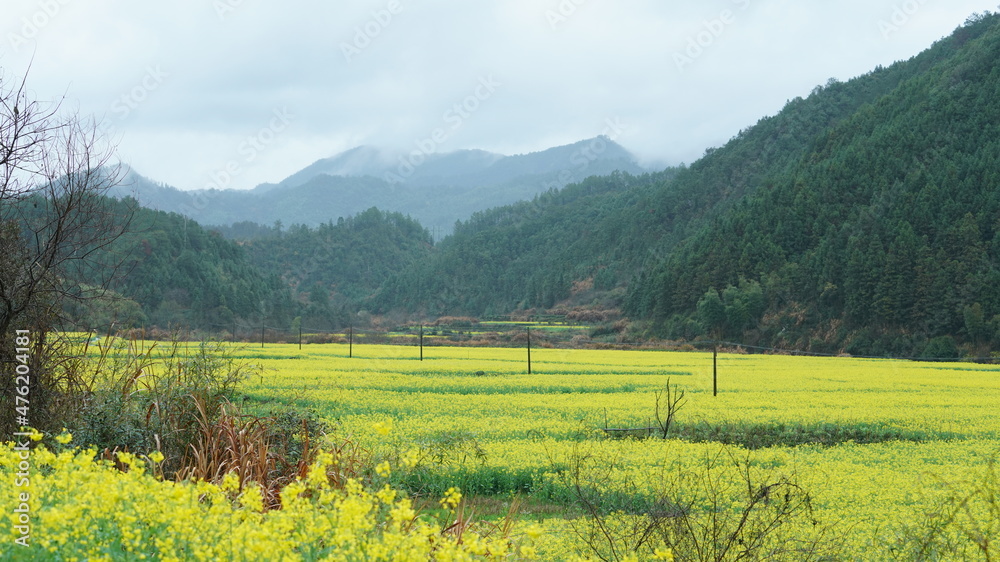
{"points": [[942, 347], [159, 397], [725, 508]]}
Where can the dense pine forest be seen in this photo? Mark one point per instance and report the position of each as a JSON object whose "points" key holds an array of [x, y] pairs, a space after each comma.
{"points": [[862, 219], [880, 237], [176, 274], [333, 268]]}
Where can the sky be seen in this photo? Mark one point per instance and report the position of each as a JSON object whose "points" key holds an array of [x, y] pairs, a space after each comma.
{"points": [[233, 93]]}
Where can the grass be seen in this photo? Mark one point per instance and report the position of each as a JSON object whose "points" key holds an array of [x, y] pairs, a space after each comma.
{"points": [[758, 436]]}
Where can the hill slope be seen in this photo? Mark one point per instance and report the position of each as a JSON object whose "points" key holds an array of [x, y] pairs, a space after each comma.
{"points": [[332, 268], [883, 235], [863, 218], [175, 273]]}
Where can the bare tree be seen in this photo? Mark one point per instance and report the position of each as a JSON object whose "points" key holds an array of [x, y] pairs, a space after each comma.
{"points": [[56, 226], [672, 402]]}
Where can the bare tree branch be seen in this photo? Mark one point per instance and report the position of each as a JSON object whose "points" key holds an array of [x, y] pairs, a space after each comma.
{"points": [[57, 222]]}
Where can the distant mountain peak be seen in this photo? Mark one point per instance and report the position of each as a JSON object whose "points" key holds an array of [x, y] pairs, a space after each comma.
{"points": [[463, 167], [355, 162], [437, 189]]}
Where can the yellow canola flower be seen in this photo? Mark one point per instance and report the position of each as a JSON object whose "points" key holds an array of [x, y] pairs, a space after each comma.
{"points": [[411, 458], [317, 475], [451, 498], [230, 482], [383, 428], [402, 512], [142, 518], [664, 554], [65, 437], [386, 495], [251, 498], [528, 424]]}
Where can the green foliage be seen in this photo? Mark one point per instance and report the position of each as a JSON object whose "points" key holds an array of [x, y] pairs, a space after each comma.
{"points": [[333, 267], [105, 310], [941, 347], [724, 508], [863, 217], [712, 312], [754, 436], [145, 398], [529, 254], [976, 326], [180, 274], [736, 311], [886, 220], [177, 274]]}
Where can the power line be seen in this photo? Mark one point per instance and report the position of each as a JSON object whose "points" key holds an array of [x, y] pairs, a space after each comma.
{"points": [[413, 333]]}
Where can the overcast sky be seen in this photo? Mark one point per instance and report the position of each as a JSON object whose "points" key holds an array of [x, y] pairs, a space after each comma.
{"points": [[191, 88]]}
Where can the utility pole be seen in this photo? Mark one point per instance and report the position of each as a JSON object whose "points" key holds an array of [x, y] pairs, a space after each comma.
{"points": [[421, 342], [263, 318], [529, 349], [715, 368]]}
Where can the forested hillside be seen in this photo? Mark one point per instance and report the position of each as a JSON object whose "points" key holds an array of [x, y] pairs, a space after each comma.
{"points": [[862, 218], [332, 268], [174, 273], [880, 238], [529, 254]]}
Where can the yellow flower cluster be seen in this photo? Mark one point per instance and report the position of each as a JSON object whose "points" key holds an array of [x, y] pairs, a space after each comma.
{"points": [[525, 422], [85, 509], [451, 498]]}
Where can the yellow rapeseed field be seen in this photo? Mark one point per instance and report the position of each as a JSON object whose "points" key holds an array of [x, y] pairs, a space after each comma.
{"points": [[946, 417], [82, 509], [473, 422]]}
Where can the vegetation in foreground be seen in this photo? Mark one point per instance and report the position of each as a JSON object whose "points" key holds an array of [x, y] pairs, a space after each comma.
{"points": [[537, 474]]}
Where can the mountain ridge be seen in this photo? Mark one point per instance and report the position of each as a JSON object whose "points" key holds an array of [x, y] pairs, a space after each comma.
{"points": [[864, 218], [443, 189]]}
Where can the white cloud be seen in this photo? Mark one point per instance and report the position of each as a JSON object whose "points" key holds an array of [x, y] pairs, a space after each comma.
{"points": [[565, 67]]}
